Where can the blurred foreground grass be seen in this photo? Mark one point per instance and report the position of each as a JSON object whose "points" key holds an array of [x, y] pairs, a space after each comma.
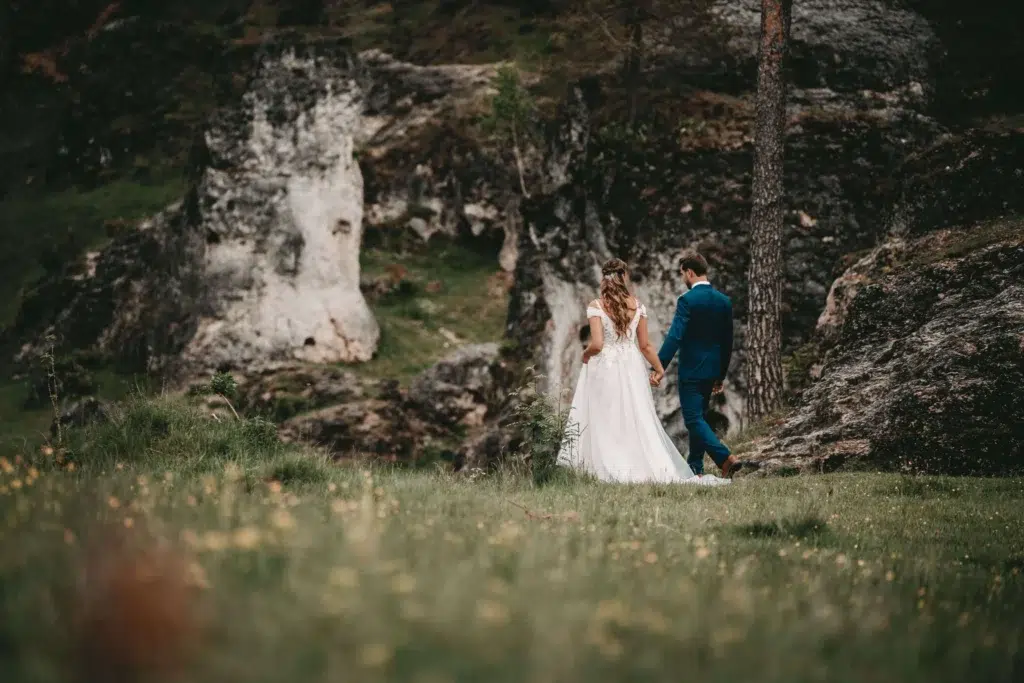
{"points": [[249, 560]]}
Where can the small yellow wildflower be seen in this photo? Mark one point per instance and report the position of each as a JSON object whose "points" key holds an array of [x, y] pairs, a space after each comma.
{"points": [[246, 538], [492, 612], [283, 520], [403, 584], [215, 540], [344, 577], [375, 655]]}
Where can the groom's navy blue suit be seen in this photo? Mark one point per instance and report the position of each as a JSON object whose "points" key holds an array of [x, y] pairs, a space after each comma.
{"points": [[702, 334]]}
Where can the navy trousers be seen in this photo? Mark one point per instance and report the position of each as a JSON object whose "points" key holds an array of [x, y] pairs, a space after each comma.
{"points": [[695, 399]]}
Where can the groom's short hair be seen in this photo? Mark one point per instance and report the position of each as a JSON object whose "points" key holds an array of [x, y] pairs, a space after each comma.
{"points": [[691, 260]]}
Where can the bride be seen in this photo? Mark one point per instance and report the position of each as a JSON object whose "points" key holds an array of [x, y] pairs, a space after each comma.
{"points": [[615, 433]]}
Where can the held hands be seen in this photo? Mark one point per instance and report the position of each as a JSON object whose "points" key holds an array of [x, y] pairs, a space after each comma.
{"points": [[656, 377], [718, 388]]}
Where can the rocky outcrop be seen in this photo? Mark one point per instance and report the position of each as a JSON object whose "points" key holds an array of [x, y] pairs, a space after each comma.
{"points": [[260, 264], [923, 337], [427, 167], [447, 403], [648, 196], [280, 206], [460, 389], [843, 44]]}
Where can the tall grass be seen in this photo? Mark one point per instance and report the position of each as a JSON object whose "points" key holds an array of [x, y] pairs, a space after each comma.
{"points": [[284, 567]]}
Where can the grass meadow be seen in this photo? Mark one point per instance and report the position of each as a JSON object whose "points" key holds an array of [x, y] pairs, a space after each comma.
{"points": [[166, 545]]}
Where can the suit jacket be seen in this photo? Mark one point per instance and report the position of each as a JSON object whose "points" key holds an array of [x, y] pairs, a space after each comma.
{"points": [[702, 334]]}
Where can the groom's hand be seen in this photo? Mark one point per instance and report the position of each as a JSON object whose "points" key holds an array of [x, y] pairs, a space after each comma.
{"points": [[656, 378], [718, 388]]}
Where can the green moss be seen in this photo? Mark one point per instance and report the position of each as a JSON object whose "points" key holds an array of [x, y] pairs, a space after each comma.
{"points": [[959, 243], [797, 368]]}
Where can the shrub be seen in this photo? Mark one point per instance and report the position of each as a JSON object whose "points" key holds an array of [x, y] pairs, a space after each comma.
{"points": [[545, 430]]}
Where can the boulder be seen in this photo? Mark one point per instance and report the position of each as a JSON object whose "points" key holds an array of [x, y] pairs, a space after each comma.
{"points": [[922, 340], [448, 402], [281, 393], [80, 413], [458, 390]]}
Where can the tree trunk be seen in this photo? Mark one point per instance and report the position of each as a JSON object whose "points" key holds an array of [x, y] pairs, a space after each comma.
{"points": [[764, 329], [634, 56], [519, 161]]}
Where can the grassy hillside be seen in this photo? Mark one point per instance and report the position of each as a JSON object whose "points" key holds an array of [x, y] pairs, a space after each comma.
{"points": [[434, 299], [243, 559]]}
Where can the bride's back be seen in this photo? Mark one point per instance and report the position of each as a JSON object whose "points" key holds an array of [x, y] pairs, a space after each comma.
{"points": [[616, 343]]}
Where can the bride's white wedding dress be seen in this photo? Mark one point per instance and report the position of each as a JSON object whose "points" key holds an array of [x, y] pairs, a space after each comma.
{"points": [[614, 430]]}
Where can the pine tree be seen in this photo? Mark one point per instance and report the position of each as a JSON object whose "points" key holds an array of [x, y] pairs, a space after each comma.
{"points": [[764, 329]]}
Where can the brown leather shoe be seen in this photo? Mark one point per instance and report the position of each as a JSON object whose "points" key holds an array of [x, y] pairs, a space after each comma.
{"points": [[731, 466]]}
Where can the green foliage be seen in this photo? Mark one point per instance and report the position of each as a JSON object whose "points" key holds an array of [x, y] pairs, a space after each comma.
{"points": [[513, 111], [545, 429], [223, 384], [260, 433], [441, 289], [804, 527], [300, 469], [168, 434], [797, 369]]}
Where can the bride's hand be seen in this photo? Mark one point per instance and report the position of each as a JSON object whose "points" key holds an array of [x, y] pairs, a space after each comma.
{"points": [[656, 378]]}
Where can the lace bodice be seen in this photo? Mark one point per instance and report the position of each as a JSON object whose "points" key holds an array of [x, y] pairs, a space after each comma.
{"points": [[615, 344]]}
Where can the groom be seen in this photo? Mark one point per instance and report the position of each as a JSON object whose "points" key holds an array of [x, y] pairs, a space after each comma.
{"points": [[702, 334]]}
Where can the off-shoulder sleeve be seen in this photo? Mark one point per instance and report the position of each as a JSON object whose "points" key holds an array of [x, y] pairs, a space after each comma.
{"points": [[593, 312], [642, 309]]}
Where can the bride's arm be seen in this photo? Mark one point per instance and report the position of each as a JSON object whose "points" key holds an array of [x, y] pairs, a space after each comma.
{"points": [[596, 339], [647, 349]]}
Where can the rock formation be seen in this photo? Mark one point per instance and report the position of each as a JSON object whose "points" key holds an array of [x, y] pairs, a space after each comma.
{"points": [[354, 415], [921, 344], [645, 196], [260, 264], [914, 349]]}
